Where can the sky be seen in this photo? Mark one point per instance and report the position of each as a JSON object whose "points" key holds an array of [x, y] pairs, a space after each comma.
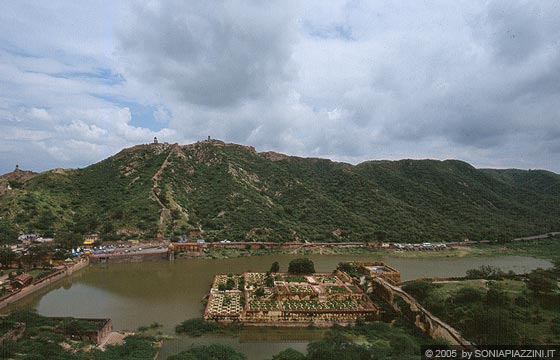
{"points": [[350, 80]]}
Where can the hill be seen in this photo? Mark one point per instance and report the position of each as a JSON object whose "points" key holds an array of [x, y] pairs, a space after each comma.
{"points": [[231, 191]]}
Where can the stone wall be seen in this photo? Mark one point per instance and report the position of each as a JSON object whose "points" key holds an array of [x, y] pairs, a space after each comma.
{"points": [[406, 305], [387, 272], [128, 258], [95, 336], [7, 300], [104, 331]]}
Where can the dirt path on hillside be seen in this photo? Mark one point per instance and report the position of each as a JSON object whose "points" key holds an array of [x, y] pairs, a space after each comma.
{"points": [[156, 190]]}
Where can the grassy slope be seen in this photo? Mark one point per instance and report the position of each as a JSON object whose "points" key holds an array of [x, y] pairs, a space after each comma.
{"points": [[531, 322], [111, 195], [232, 192]]}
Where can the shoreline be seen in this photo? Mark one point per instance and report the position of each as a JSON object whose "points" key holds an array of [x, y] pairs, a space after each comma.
{"points": [[31, 289], [548, 249]]}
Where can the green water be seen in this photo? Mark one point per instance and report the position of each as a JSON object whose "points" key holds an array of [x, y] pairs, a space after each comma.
{"points": [[169, 292]]}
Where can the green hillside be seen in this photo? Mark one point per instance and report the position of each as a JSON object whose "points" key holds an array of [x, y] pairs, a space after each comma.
{"points": [[231, 191]]}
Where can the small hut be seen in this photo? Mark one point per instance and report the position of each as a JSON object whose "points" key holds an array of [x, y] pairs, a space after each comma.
{"points": [[22, 281]]}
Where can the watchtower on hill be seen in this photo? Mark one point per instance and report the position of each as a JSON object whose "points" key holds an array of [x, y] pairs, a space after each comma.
{"points": [[155, 140]]}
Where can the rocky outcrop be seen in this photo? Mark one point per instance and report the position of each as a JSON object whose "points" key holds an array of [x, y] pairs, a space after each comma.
{"points": [[15, 179]]}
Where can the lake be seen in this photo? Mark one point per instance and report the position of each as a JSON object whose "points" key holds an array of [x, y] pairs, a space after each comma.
{"points": [[138, 294]]}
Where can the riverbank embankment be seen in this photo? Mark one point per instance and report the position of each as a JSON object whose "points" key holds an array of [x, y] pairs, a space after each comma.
{"points": [[26, 291], [128, 257], [544, 249]]}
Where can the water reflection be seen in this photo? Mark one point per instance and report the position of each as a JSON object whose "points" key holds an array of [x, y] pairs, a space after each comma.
{"points": [[169, 292]]}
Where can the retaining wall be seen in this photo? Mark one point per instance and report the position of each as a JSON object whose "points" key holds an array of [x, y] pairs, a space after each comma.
{"points": [[42, 283], [127, 258], [405, 304]]}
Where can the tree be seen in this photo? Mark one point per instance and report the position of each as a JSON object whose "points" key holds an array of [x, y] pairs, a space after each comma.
{"points": [[259, 292], [301, 266], [134, 347], [468, 295], [275, 267], [195, 327], [380, 235], [6, 257], [556, 269], [8, 233], [496, 296], [485, 272], [337, 346], [35, 255], [419, 289], [230, 284], [349, 268], [541, 281], [210, 352], [492, 326], [289, 354], [68, 239], [60, 254]]}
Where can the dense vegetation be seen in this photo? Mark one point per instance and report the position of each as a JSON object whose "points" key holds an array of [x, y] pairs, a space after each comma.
{"points": [[196, 327], [499, 311], [47, 339], [301, 266], [210, 352], [232, 192], [382, 341], [545, 248], [375, 340]]}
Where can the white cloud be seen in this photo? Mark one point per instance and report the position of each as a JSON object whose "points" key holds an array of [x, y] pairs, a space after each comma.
{"points": [[351, 80]]}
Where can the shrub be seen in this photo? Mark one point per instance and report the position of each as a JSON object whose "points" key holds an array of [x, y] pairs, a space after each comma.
{"points": [[210, 352], [485, 272], [497, 296], [301, 266], [349, 268], [467, 295], [541, 281], [289, 354], [195, 327], [522, 301], [419, 289], [230, 284]]}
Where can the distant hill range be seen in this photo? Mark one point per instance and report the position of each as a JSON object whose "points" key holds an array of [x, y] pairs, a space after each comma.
{"points": [[217, 191]]}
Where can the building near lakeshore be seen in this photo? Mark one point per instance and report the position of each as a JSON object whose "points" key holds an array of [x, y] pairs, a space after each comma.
{"points": [[22, 281], [379, 269], [278, 299]]}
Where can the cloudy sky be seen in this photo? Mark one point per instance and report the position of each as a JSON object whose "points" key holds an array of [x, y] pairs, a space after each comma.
{"points": [[348, 80]]}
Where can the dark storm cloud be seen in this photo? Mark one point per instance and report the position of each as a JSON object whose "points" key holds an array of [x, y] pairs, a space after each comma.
{"points": [[517, 30], [505, 89]]}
